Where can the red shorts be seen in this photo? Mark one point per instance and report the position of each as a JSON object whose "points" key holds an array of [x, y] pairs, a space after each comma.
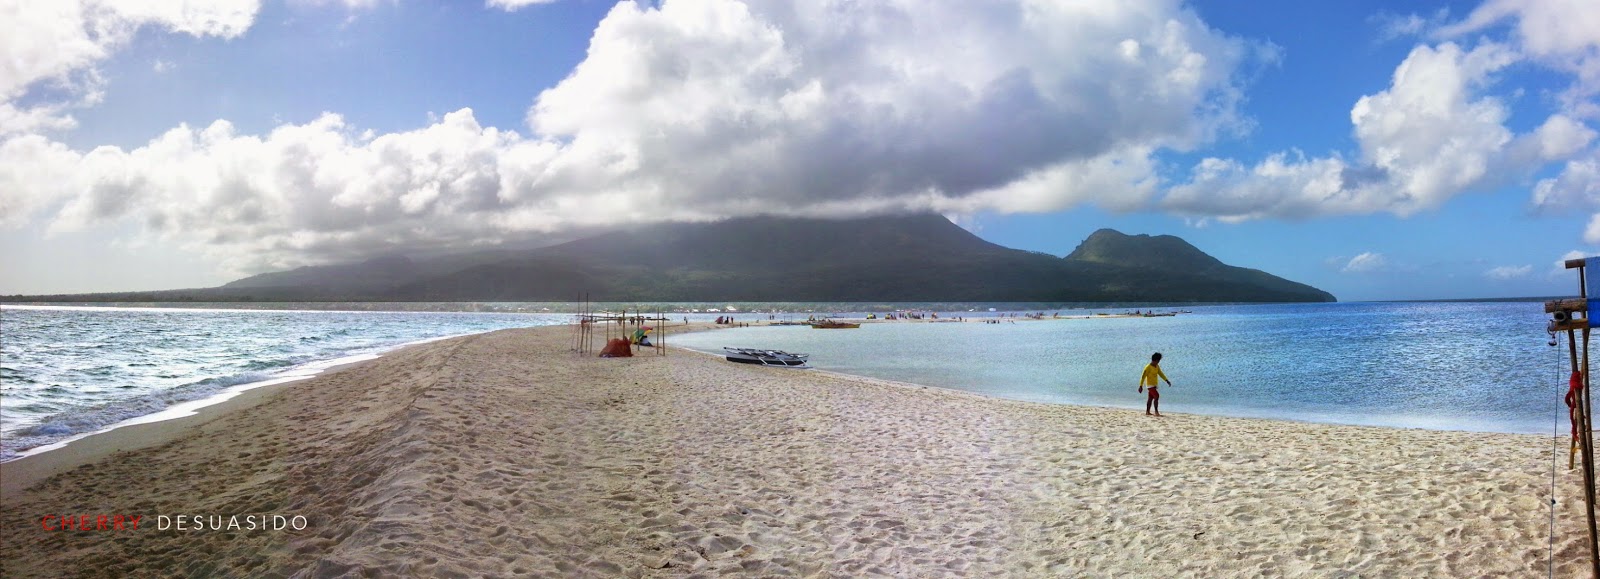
{"points": [[1153, 394]]}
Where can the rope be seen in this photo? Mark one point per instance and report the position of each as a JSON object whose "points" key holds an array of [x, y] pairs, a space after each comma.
{"points": [[1555, 456]]}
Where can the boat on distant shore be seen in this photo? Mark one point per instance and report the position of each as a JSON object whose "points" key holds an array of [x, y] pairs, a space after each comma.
{"points": [[765, 357], [1152, 314], [834, 325]]}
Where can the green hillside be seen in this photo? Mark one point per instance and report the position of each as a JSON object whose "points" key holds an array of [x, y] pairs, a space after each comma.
{"points": [[897, 258]]}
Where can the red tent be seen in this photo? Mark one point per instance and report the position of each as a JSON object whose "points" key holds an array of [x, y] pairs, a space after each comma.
{"points": [[617, 348]]}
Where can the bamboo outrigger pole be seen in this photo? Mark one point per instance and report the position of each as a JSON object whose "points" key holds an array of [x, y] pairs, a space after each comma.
{"points": [[1572, 315]]}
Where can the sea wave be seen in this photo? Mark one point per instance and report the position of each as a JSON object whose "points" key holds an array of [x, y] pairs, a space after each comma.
{"points": [[261, 365], [79, 420], [61, 381]]}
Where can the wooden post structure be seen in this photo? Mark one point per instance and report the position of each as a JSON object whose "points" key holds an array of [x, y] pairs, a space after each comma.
{"points": [[1571, 316], [586, 323], [583, 342]]}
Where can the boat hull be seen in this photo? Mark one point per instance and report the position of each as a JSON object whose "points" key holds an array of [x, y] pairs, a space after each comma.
{"points": [[764, 357], [743, 360]]}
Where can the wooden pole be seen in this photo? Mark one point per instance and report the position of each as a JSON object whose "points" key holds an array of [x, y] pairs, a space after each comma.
{"points": [[1586, 446], [1588, 438], [1576, 413], [1587, 434], [1566, 317]]}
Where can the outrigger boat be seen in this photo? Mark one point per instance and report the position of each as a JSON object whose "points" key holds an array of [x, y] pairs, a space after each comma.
{"points": [[833, 325], [765, 357]]}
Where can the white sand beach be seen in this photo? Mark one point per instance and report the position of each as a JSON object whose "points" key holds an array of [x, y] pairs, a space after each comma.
{"points": [[504, 454]]}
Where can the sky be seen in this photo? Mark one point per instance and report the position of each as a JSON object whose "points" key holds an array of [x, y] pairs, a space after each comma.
{"points": [[1379, 150]]}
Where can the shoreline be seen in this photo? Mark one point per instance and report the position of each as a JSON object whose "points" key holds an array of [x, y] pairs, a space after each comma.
{"points": [[33, 465], [671, 465], [18, 474], [193, 409], [145, 431], [190, 408], [1397, 421], [1129, 408], [187, 408]]}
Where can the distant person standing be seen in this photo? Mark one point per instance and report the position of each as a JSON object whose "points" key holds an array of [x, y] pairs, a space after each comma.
{"points": [[1148, 380]]}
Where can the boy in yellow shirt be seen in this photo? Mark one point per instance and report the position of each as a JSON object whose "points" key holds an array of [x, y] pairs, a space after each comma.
{"points": [[1148, 379]]}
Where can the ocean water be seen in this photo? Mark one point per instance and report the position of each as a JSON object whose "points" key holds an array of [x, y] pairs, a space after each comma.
{"points": [[67, 371], [1456, 366]]}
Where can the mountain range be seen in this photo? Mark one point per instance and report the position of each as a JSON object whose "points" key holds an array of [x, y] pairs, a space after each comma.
{"points": [[893, 258]]}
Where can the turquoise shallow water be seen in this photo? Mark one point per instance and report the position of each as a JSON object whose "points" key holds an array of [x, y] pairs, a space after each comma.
{"points": [[1459, 366]]}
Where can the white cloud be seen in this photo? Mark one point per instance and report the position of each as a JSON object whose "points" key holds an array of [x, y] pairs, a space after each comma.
{"points": [[1591, 234], [1396, 26], [514, 5], [1122, 180], [59, 42], [1392, 26], [349, 4], [34, 119], [49, 40], [1437, 131], [1427, 133], [1544, 27], [1577, 186], [1509, 272], [1368, 262], [1560, 266], [696, 110], [947, 106], [710, 108], [301, 193], [34, 171], [1560, 136], [1563, 34], [1434, 134]]}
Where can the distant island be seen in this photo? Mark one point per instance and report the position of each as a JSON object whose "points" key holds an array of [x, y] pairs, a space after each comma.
{"points": [[917, 258]]}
